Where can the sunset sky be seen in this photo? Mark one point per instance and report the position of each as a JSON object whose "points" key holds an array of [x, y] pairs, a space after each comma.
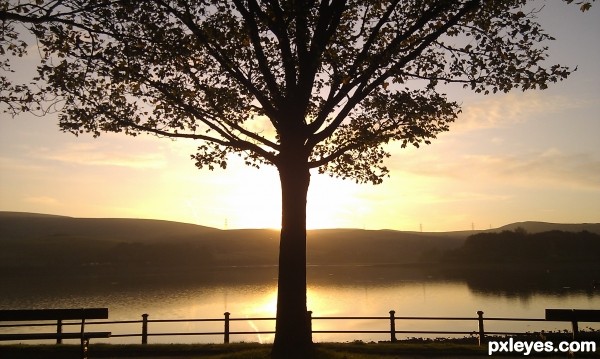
{"points": [[509, 158]]}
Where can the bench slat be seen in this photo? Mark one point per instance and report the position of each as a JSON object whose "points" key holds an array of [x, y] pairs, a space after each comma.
{"points": [[39, 336], [53, 314], [569, 315]]}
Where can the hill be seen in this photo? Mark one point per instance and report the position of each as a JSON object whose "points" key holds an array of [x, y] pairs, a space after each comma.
{"points": [[36, 241], [537, 227], [522, 247], [45, 243], [34, 225]]}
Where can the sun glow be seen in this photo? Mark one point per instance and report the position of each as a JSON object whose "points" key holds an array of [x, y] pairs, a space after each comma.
{"points": [[333, 203], [251, 198]]}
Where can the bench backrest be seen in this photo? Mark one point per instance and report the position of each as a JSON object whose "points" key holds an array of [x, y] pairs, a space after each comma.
{"points": [[573, 315], [53, 314]]}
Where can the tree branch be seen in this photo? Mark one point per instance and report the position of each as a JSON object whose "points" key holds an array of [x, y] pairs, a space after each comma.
{"points": [[236, 143], [263, 62], [278, 26], [214, 50], [366, 88]]}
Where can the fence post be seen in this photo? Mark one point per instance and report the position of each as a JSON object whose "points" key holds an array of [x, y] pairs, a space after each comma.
{"points": [[481, 331], [144, 329], [309, 319], [226, 339], [59, 331], [392, 326]]}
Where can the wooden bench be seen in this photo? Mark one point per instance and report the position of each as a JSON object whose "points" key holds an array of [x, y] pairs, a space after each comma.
{"points": [[574, 316], [58, 315]]}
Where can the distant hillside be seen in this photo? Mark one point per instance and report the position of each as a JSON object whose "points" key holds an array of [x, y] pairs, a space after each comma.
{"points": [[33, 225], [36, 242], [356, 246], [536, 227], [520, 246]]}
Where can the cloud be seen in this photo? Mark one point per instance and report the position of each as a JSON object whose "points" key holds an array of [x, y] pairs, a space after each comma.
{"points": [[8, 164], [42, 200], [550, 168], [464, 196], [506, 109], [102, 155]]}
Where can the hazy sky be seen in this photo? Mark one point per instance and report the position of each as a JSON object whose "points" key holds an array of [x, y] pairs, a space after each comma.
{"points": [[510, 157]]}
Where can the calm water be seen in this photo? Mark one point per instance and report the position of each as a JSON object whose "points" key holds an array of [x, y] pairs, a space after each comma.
{"points": [[333, 291]]}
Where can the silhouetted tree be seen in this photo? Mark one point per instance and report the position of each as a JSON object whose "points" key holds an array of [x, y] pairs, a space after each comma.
{"points": [[520, 247], [336, 80]]}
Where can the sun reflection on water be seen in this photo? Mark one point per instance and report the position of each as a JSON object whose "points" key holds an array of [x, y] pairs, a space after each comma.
{"points": [[265, 307], [333, 293]]}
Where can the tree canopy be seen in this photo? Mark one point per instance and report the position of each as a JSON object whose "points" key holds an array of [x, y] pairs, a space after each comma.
{"points": [[349, 76]]}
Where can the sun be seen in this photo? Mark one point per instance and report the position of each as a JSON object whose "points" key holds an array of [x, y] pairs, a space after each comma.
{"points": [[331, 203], [244, 197]]}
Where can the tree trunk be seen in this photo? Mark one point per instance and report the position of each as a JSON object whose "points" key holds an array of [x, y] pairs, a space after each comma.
{"points": [[293, 338]]}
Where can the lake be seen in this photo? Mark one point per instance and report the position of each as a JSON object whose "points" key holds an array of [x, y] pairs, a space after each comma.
{"points": [[332, 291]]}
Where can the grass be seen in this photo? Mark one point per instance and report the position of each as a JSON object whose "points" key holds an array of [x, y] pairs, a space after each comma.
{"points": [[241, 351], [355, 350]]}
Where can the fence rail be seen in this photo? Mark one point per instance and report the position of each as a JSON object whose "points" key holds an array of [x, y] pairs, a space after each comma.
{"points": [[391, 330]]}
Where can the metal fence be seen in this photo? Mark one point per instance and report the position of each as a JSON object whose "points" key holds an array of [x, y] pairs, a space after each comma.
{"points": [[388, 326]]}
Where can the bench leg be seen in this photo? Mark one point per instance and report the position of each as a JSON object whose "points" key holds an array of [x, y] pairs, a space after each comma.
{"points": [[575, 330]]}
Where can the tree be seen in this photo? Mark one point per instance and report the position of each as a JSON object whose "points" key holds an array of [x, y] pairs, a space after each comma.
{"points": [[337, 80]]}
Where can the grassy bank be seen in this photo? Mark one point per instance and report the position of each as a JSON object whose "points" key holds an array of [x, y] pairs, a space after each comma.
{"points": [[356, 350], [235, 351]]}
